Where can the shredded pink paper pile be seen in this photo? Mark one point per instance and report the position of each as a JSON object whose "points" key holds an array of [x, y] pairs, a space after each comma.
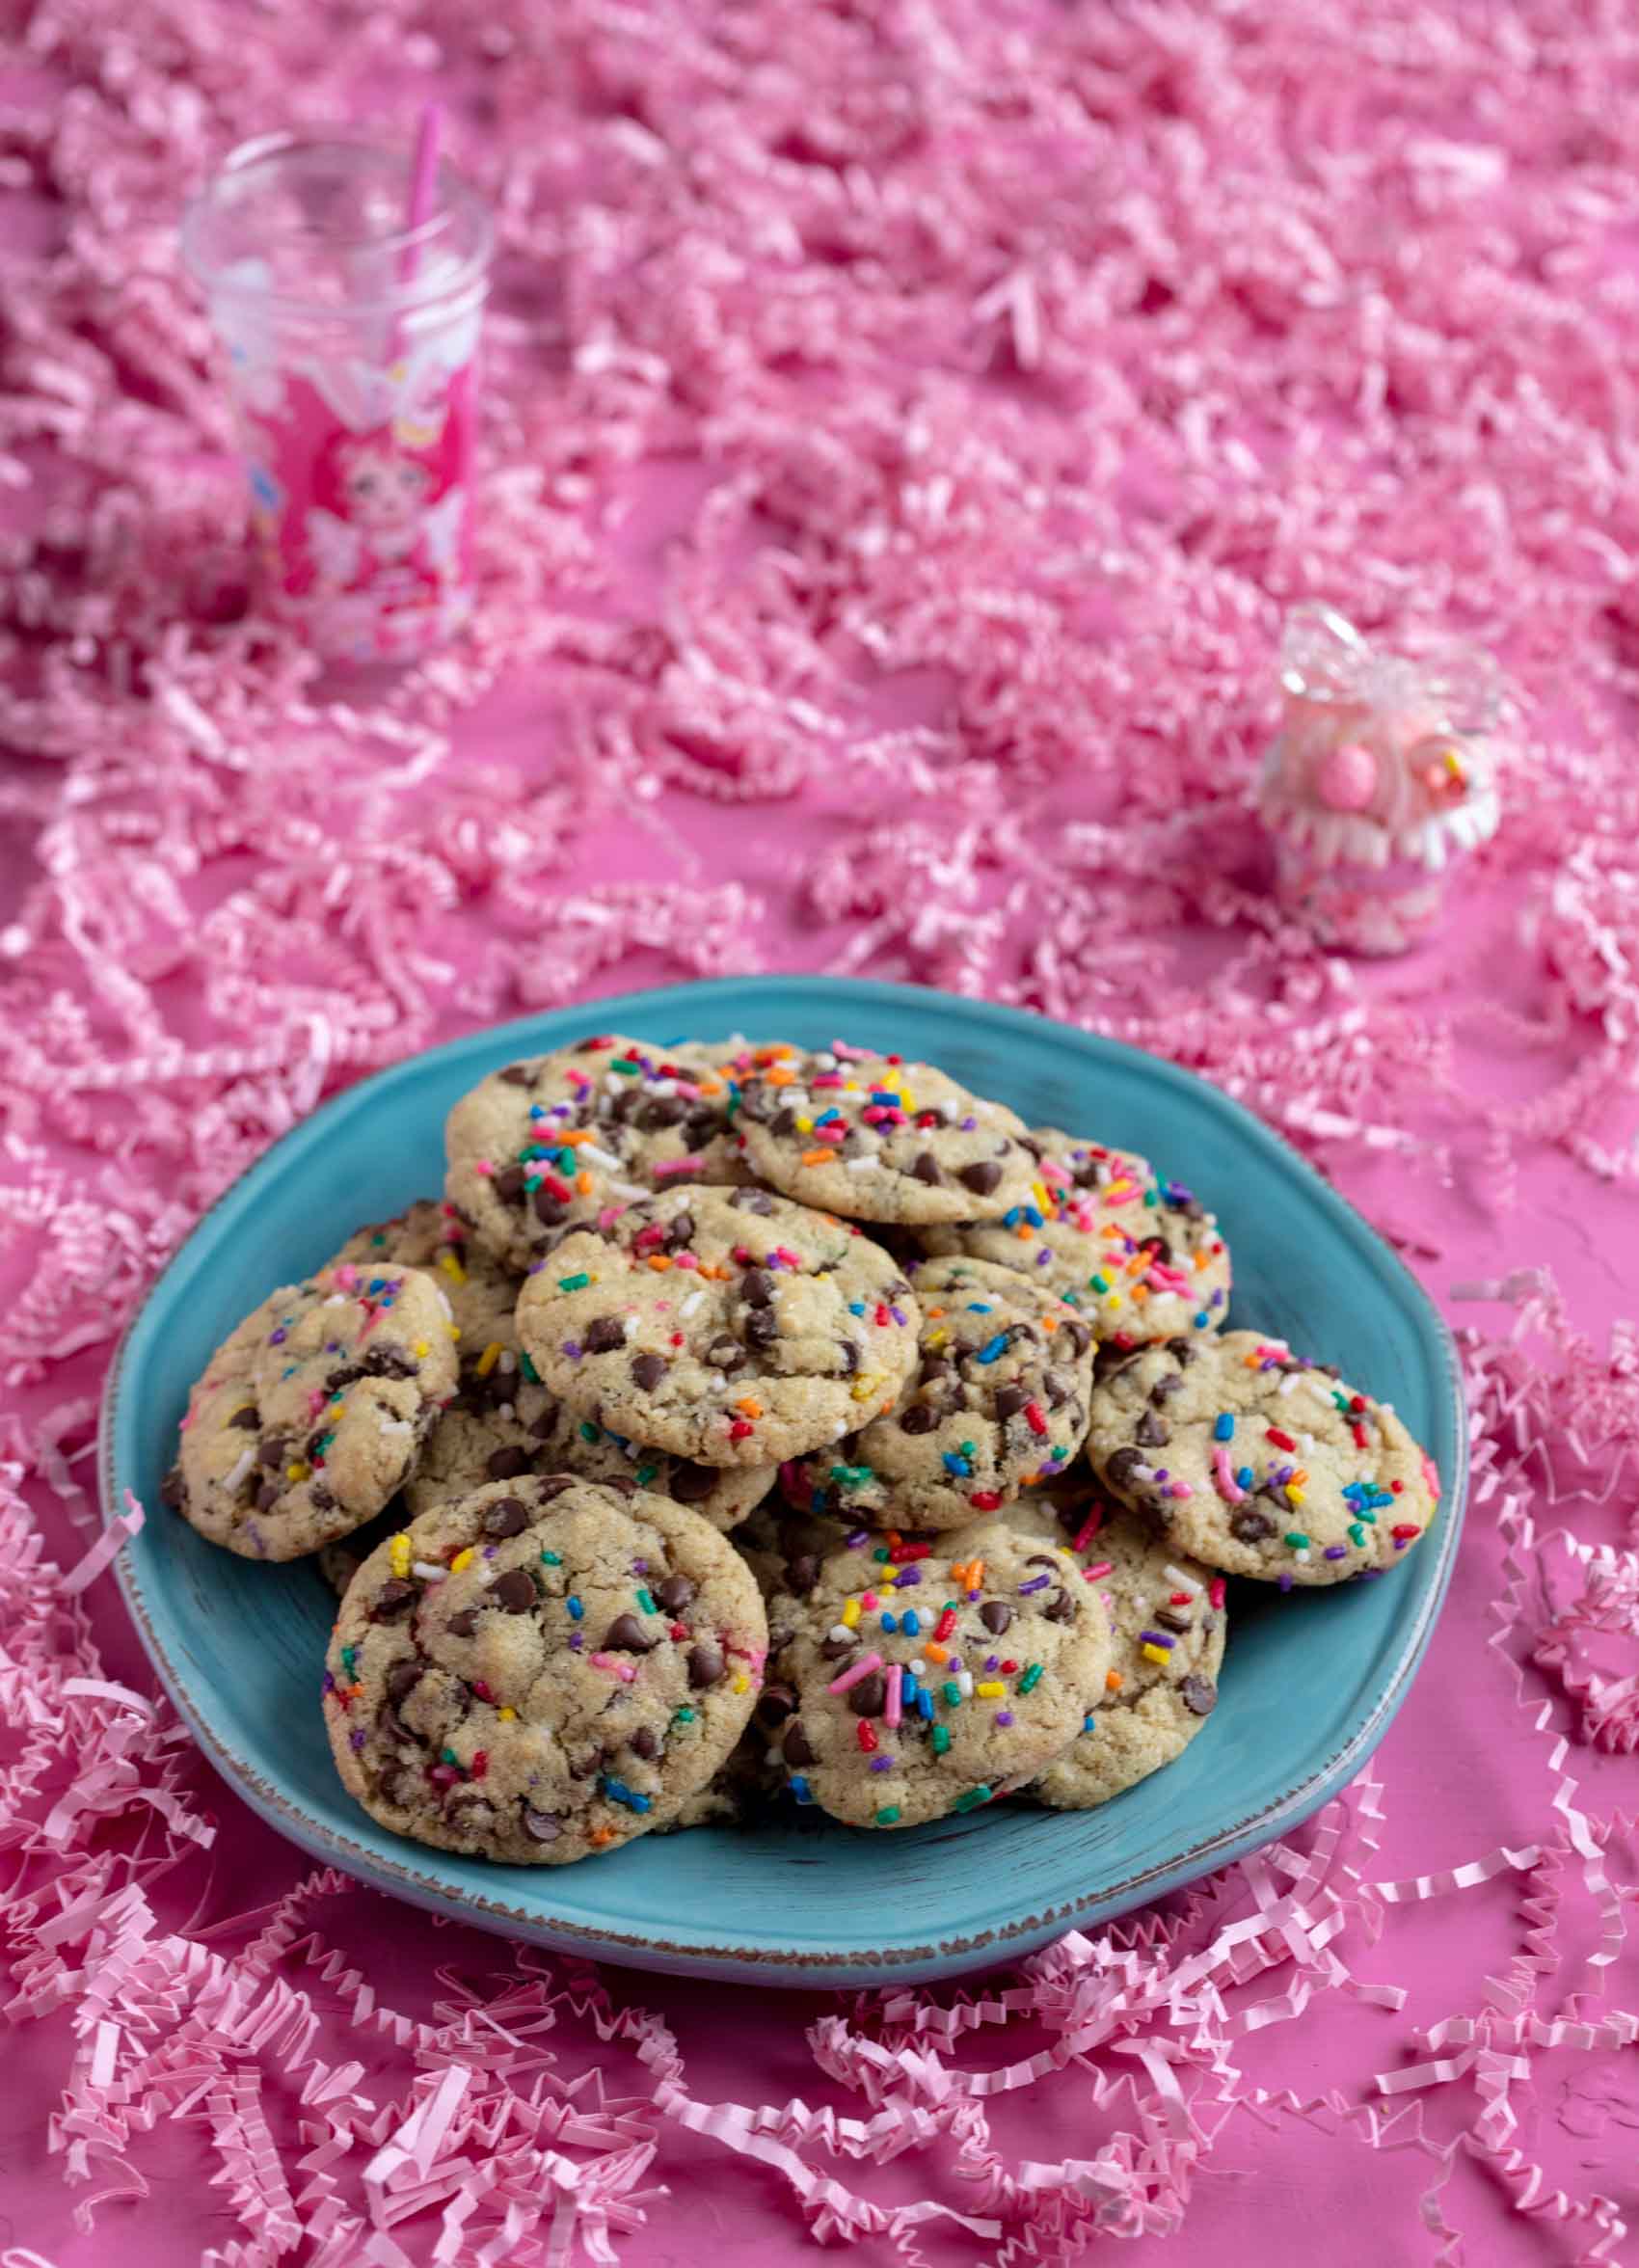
{"points": [[908, 423]]}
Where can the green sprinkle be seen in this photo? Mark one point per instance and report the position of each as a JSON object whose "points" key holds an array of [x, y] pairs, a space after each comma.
{"points": [[1298, 1542], [941, 1739], [953, 1692], [350, 1662], [971, 1799], [646, 1603], [1031, 1679], [1152, 1197], [683, 1715], [881, 1555], [450, 1757], [1074, 1298], [852, 1476], [1366, 1513], [566, 1161], [1357, 1535], [646, 1473], [888, 1814], [552, 1558], [378, 1238], [587, 1430], [968, 1450], [626, 1070], [529, 1370], [573, 1283], [1097, 1284]]}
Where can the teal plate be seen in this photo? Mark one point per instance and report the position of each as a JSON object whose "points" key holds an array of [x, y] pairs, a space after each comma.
{"points": [[1311, 1681]]}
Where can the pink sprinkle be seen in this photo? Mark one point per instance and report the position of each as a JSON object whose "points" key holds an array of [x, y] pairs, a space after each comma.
{"points": [[346, 1275], [1180, 1489], [686, 1259], [891, 1710], [482, 1165], [1090, 1528], [868, 1601], [624, 1670], [1222, 1479], [828, 1079], [1104, 1567], [1216, 1592], [1165, 1278], [862, 1668], [609, 1215], [682, 1165], [316, 1401]]}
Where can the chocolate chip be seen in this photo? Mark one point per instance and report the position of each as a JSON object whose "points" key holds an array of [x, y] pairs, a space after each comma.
{"points": [[247, 1418], [675, 1593], [464, 1624], [466, 1808], [981, 1179], [508, 1184], [268, 1495], [396, 1597], [782, 1124], [704, 1664], [996, 1616], [662, 1109], [517, 1075], [752, 1201], [1182, 1352], [275, 1449], [603, 1335], [802, 1573], [1159, 1247], [762, 1327], [757, 1287], [320, 1498], [647, 1371], [834, 1649], [1151, 1431], [545, 1425], [549, 1209], [552, 1485], [620, 1486], [1076, 1336], [507, 1464], [174, 1490], [1057, 1388], [1169, 1620], [925, 1168], [402, 1679], [626, 1635], [1110, 1359], [1061, 1608], [796, 1748], [681, 1234], [866, 1700], [1199, 1694], [644, 1743], [1118, 1471], [389, 1362], [690, 1484], [918, 1418], [1164, 1389], [506, 1516], [851, 1357], [775, 1703], [396, 1784], [725, 1354], [540, 1825], [1250, 1527], [1009, 1401], [515, 1591]]}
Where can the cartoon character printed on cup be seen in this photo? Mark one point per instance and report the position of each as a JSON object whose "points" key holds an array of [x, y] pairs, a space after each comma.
{"points": [[1382, 778], [385, 528]]}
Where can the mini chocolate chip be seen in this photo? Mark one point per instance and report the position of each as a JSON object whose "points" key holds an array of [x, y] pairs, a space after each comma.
{"points": [[1168, 1620], [1118, 1471], [647, 1371], [506, 1516], [1009, 1401], [1199, 1694], [675, 1593], [775, 1703], [851, 1357], [866, 1700], [507, 1464], [517, 1075], [1057, 1389], [1077, 1335], [662, 1109], [603, 1335], [626, 1635], [996, 1616], [981, 1179], [508, 1184], [757, 1287], [802, 1573], [704, 1664], [762, 1327], [1182, 1352], [396, 1597], [1164, 1389], [468, 1809], [690, 1484], [782, 1124], [320, 1498], [752, 1201], [925, 1168], [725, 1354], [681, 1234], [643, 1744], [247, 1418], [1061, 1608], [464, 1624], [402, 1679], [540, 1825], [918, 1418], [275, 1449], [553, 1484], [515, 1591], [174, 1490], [389, 1362], [549, 1209], [797, 1747], [1250, 1527], [834, 1649], [1151, 1431]]}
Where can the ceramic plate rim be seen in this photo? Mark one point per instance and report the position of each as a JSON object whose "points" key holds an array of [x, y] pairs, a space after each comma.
{"points": [[704, 1952]]}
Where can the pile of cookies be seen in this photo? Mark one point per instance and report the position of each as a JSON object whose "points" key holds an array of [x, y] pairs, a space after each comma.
{"points": [[750, 1424]]}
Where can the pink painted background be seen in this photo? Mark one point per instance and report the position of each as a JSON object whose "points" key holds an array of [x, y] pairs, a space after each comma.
{"points": [[909, 424]]}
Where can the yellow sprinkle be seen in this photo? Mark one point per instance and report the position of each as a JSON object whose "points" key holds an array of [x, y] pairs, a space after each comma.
{"points": [[295, 1473], [489, 1357], [400, 1548], [1155, 1654], [1296, 1495], [422, 1348], [805, 1125], [850, 1613], [1113, 1299], [462, 1559], [936, 1340], [452, 1267], [1039, 1193], [455, 1330], [864, 1388], [992, 1690], [507, 1716], [742, 1682]]}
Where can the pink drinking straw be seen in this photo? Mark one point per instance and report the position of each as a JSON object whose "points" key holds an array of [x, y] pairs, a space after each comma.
{"points": [[423, 182]]}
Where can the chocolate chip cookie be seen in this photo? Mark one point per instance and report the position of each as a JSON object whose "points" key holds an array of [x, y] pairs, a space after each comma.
{"points": [[1000, 1397], [877, 1139], [541, 1144], [930, 1684], [1139, 1255], [542, 1670], [728, 1326], [1258, 1463], [313, 1412]]}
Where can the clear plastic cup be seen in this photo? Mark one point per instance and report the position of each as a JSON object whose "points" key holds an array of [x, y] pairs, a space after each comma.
{"points": [[350, 349]]}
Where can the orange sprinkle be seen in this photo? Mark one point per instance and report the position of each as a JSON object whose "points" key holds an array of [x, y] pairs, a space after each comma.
{"points": [[659, 1262], [1202, 1260], [572, 1137], [933, 1313], [934, 1652], [1051, 1322], [1024, 1233], [599, 1836], [1112, 1681], [749, 1406], [814, 1157], [781, 1078], [774, 1052], [976, 1575], [1139, 1292], [584, 1183]]}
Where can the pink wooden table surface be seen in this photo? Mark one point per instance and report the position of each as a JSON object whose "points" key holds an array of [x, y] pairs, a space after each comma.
{"points": [[908, 424]]}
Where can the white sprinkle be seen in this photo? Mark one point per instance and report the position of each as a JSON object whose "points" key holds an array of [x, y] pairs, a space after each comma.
{"points": [[443, 1302], [389, 1428], [629, 1190], [863, 1165], [336, 1299], [825, 1061], [841, 1632], [919, 1668], [601, 1157], [1291, 1382], [1182, 1581], [427, 1572], [964, 1679], [694, 1300], [613, 1085], [237, 1470], [508, 1411], [507, 1363], [1143, 1471]]}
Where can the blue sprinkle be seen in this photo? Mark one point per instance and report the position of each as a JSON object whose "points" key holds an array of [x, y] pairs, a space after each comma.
{"points": [[622, 1793], [1245, 1476], [1013, 1215], [575, 1609], [979, 1306], [888, 1623], [956, 1463], [826, 1117], [856, 1307], [800, 1788], [1032, 1217], [911, 1622], [1223, 1426], [1202, 1320], [923, 1702], [1088, 1721], [996, 1349]]}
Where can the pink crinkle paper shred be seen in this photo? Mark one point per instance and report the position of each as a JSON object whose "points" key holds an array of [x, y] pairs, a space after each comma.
{"points": [[908, 423]]}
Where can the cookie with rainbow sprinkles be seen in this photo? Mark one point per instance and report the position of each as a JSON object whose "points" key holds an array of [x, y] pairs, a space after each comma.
{"points": [[1259, 1463]]}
